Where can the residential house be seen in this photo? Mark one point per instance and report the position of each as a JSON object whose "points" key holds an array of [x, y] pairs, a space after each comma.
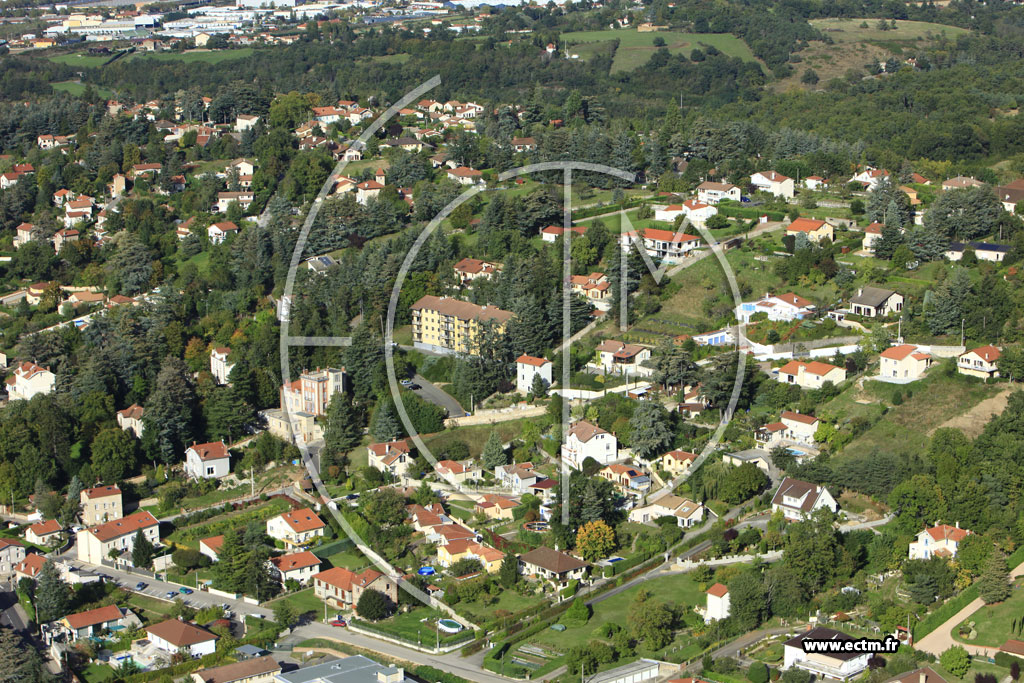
{"points": [[493, 506], [555, 566], [754, 456], [449, 554], [12, 553], [62, 237], [465, 176], [393, 457], [712, 193], [961, 183], [628, 480], [550, 233], [9, 179], [448, 533], [469, 269], [367, 190], [870, 177], [666, 245], [226, 199], [27, 568], [941, 540], [173, 636], [841, 666], [810, 375], [585, 440], [518, 477], [211, 546], [985, 251], [524, 144], [260, 669], [799, 499], [244, 122], [353, 669], [95, 621], [781, 307], [101, 504], [1011, 194], [686, 512], [427, 518], [207, 460], [718, 604], [446, 325], [621, 358], [25, 233], [815, 182], [815, 230], [220, 368], [218, 232], [773, 183], [296, 566], [792, 428], [903, 362], [979, 362], [342, 588], [297, 527], [723, 337], [458, 472], [594, 287], [677, 463], [528, 368], [697, 212], [130, 419], [30, 380], [875, 302], [872, 234], [312, 392], [44, 533], [923, 675], [96, 543], [143, 170]]}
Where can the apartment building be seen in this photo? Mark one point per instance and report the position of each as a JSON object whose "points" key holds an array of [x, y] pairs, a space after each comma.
{"points": [[446, 325]]}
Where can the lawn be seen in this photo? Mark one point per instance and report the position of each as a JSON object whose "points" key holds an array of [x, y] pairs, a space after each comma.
{"points": [[94, 673], [851, 31], [153, 610], [204, 56], [80, 60], [635, 48], [416, 626], [349, 559], [76, 88], [993, 622], [304, 601], [474, 436], [906, 427]]}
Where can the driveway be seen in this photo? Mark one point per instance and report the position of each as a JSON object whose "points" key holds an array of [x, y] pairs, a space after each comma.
{"points": [[430, 392]]}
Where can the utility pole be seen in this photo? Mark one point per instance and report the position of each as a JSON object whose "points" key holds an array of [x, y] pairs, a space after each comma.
{"points": [[962, 331]]}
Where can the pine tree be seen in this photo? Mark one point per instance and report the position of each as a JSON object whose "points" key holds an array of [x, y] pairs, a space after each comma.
{"points": [[53, 595], [229, 571], [170, 409], [343, 430], [994, 584], [142, 550], [590, 507], [260, 581], [493, 454], [385, 425], [539, 388], [508, 572]]}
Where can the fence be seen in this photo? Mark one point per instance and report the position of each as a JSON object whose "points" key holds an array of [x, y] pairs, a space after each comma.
{"points": [[447, 644]]}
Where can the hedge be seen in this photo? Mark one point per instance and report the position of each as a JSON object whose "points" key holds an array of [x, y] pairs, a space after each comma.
{"points": [[466, 634], [591, 211], [432, 675], [749, 212]]}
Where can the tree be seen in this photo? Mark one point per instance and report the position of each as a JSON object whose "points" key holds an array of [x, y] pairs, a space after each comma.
{"points": [[956, 661], [170, 410], [383, 508], [578, 613], [508, 572], [650, 622], [113, 454], [994, 584], [539, 388], [53, 595], [384, 425], [758, 673], [748, 600], [229, 570], [493, 454], [20, 660], [674, 367], [285, 614], [650, 434], [142, 550], [343, 430], [374, 605], [965, 214], [595, 540]]}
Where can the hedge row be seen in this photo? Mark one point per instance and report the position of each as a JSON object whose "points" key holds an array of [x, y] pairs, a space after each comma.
{"points": [[590, 211]]}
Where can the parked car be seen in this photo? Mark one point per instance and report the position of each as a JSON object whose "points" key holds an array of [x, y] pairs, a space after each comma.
{"points": [[339, 622], [171, 595], [406, 382], [415, 387], [185, 590], [140, 586]]}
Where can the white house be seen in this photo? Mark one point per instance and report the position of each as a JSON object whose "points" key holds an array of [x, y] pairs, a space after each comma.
{"points": [[698, 212], [296, 566], [872, 234], [782, 307], [220, 368], [43, 533], [686, 512], [985, 251], [903, 361], [718, 606], [96, 543], [218, 232], [870, 177], [30, 380], [528, 367], [942, 540], [173, 636], [712, 193], [585, 440], [296, 527], [207, 460], [815, 182], [798, 499], [668, 213], [244, 122], [624, 359], [875, 302], [979, 362], [661, 244], [130, 419], [464, 175], [226, 199], [794, 428], [841, 666], [392, 458], [810, 375], [773, 183]]}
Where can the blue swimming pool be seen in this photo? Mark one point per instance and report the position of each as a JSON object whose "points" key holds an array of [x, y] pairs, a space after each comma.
{"points": [[797, 452]]}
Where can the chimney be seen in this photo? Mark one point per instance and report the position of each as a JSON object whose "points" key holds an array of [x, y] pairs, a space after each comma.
{"points": [[958, 524], [921, 677]]}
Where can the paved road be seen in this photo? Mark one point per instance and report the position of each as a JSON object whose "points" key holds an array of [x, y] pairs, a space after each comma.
{"points": [[437, 396]]}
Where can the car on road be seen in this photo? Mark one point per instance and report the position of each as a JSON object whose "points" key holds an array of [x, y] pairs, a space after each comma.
{"points": [[185, 590], [339, 622], [171, 595], [140, 586], [415, 387], [106, 577], [406, 383]]}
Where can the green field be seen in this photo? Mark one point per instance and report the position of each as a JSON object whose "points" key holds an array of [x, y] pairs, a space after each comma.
{"points": [[851, 31], [76, 88], [303, 601], [80, 60], [205, 56], [636, 48], [993, 622]]}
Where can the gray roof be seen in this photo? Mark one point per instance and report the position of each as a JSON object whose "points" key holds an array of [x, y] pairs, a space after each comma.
{"points": [[249, 650], [872, 296], [355, 669], [643, 669]]}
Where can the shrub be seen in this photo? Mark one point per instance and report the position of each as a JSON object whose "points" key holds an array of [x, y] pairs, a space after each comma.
{"points": [[374, 605]]}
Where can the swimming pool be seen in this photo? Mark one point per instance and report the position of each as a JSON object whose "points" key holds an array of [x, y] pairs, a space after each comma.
{"points": [[614, 559], [426, 571], [449, 625], [797, 452]]}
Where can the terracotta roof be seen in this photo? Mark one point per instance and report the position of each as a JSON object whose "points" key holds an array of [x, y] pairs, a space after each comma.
{"points": [[772, 176], [718, 590], [898, 352], [987, 353], [798, 417], [664, 235], [108, 490], [807, 492], [874, 228], [214, 543], [225, 226], [463, 310], [125, 525], [794, 300], [1014, 647], [927, 675], [50, 526], [473, 265], [215, 450], [93, 617], [532, 360], [287, 563], [682, 456], [344, 578], [585, 431], [485, 553], [723, 187], [552, 560], [815, 367], [620, 349], [948, 532], [180, 633], [464, 172], [303, 520], [249, 668], [773, 427], [804, 225], [31, 565]]}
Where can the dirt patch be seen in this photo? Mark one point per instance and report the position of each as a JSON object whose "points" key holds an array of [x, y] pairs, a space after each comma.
{"points": [[974, 420]]}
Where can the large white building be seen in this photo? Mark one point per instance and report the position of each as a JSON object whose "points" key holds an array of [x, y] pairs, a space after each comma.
{"points": [[585, 440], [799, 499], [939, 541], [96, 543], [297, 527], [784, 307], [773, 183], [220, 368], [30, 380], [175, 636], [528, 367], [661, 244], [207, 460], [312, 391]]}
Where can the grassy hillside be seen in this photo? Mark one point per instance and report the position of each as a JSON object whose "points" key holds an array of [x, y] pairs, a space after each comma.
{"points": [[636, 48]]}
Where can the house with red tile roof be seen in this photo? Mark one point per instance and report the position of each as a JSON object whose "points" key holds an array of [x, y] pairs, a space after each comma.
{"points": [[92, 622], [529, 367], [773, 183], [299, 566], [980, 362], [101, 504], [718, 606], [458, 472], [211, 546], [941, 540], [394, 457], [666, 245], [207, 460], [814, 229], [342, 588], [449, 554], [29, 380], [903, 362], [30, 566], [780, 307], [586, 440], [810, 374], [297, 527], [791, 429], [130, 419], [43, 533], [799, 499], [96, 543]]}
